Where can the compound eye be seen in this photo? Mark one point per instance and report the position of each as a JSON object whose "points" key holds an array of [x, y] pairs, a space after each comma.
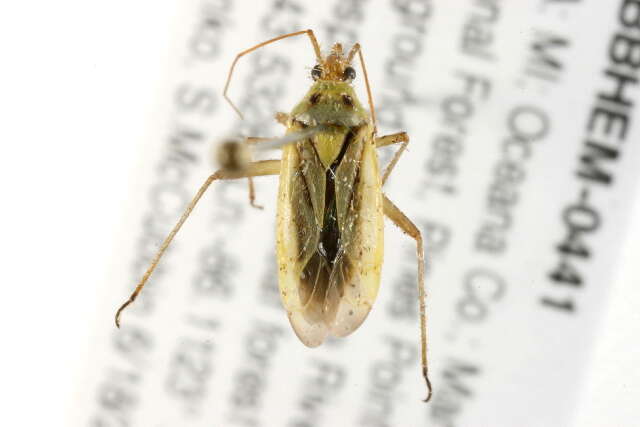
{"points": [[349, 74], [316, 72]]}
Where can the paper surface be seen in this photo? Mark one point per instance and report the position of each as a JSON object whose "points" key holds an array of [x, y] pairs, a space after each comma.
{"points": [[521, 162]]}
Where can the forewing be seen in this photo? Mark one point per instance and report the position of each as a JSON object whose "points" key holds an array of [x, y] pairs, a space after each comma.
{"points": [[314, 186], [298, 233], [359, 203]]}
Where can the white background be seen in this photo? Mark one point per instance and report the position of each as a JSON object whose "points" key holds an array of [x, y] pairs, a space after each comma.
{"points": [[78, 90], [77, 93]]}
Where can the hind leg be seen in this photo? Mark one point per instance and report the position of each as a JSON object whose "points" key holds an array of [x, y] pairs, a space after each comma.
{"points": [[409, 228], [262, 168]]}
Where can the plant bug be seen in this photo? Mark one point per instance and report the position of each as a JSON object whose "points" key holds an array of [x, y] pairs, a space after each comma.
{"points": [[330, 202]]}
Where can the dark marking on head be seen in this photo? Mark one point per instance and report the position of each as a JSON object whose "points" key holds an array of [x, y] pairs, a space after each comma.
{"points": [[347, 100], [313, 99]]}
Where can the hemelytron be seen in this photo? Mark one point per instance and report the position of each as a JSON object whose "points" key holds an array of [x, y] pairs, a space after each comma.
{"points": [[331, 207]]}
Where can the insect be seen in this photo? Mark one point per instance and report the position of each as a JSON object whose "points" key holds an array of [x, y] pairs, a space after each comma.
{"points": [[330, 202]]}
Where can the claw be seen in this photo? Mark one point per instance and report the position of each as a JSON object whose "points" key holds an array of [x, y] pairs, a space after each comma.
{"points": [[122, 307], [429, 390]]}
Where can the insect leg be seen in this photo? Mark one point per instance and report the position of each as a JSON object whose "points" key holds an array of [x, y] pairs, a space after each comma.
{"points": [[253, 140], [269, 144], [236, 155], [394, 138], [252, 195], [400, 137], [312, 38], [356, 49], [282, 118], [405, 224], [261, 168]]}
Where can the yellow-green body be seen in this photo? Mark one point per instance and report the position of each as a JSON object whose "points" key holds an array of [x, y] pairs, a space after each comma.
{"points": [[330, 219]]}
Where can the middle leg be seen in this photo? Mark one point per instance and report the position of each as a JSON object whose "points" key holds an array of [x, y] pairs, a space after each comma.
{"points": [[236, 155], [272, 143], [395, 138]]}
